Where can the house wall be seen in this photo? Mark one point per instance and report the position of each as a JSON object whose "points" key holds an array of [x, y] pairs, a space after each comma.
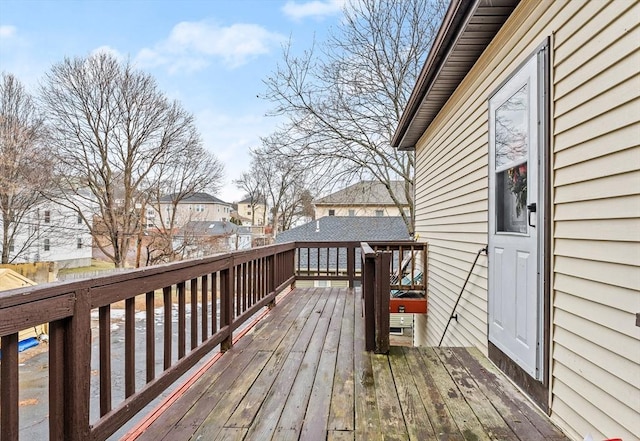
{"points": [[359, 210], [257, 213], [60, 232], [187, 212], [595, 162]]}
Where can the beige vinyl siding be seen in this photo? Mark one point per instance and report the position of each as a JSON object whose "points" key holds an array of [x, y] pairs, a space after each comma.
{"points": [[596, 354], [359, 210], [595, 113]]}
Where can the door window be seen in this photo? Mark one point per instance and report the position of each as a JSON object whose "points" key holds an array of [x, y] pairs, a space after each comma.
{"points": [[511, 131]]}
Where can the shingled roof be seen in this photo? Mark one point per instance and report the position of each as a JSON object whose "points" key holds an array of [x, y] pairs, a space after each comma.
{"points": [[365, 193], [195, 198], [348, 228]]}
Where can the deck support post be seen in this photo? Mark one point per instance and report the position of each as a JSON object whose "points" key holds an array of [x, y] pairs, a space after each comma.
{"points": [[381, 301]]}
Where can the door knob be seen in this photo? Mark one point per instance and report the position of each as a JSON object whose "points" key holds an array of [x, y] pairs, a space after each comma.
{"points": [[532, 208]]}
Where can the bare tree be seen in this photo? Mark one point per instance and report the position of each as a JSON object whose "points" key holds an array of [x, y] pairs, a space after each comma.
{"points": [[24, 169], [189, 170], [343, 103], [286, 184], [114, 132], [253, 188]]}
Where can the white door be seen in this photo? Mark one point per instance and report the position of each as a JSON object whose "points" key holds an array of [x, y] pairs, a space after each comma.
{"points": [[514, 319]]}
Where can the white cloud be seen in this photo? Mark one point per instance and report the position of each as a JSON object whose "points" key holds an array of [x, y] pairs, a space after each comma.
{"points": [[109, 51], [314, 9], [191, 46], [7, 31]]}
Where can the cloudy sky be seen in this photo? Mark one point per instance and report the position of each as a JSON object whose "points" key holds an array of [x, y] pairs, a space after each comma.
{"points": [[212, 55]]}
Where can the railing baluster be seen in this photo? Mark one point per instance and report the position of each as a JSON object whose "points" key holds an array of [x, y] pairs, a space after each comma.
{"points": [[226, 305], [150, 335], [182, 321], [9, 388], [214, 303], [104, 332], [56, 381], [194, 313], [237, 273], [245, 292], [204, 284], [168, 326], [129, 347], [351, 265]]}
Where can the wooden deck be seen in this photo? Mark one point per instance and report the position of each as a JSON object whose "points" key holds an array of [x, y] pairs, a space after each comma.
{"points": [[302, 373]]}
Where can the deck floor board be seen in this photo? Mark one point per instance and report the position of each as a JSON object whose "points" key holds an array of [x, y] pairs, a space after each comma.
{"points": [[302, 374]]}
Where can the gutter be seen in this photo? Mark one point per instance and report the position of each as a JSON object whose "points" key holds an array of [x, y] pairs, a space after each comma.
{"points": [[457, 14]]}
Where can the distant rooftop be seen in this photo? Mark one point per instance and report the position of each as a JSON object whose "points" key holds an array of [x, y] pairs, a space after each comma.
{"points": [[258, 200], [365, 193], [348, 228], [202, 198], [209, 228]]}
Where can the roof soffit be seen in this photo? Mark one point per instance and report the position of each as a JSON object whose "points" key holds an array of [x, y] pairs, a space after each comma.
{"points": [[468, 28]]}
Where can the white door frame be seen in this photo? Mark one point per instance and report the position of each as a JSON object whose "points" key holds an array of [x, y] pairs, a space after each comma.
{"points": [[516, 260]]}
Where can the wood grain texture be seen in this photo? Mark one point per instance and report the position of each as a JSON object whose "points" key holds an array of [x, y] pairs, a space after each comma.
{"points": [[302, 374]]}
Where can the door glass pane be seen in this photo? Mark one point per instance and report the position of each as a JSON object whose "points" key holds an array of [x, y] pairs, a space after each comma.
{"points": [[511, 130], [511, 200]]}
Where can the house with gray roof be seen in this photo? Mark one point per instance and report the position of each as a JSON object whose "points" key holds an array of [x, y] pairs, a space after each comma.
{"points": [[365, 198], [342, 229], [347, 228], [204, 238], [196, 207]]}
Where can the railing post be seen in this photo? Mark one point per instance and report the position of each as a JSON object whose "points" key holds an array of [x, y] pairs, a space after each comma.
{"points": [[226, 304], [70, 370], [381, 301], [9, 388], [368, 287]]}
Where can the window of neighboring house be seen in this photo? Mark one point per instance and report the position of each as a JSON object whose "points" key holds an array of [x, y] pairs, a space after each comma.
{"points": [[249, 212], [150, 212], [12, 246], [47, 216], [352, 213], [379, 213], [332, 212], [47, 245], [79, 218], [79, 243]]}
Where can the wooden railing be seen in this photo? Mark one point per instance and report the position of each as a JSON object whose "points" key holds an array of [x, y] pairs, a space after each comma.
{"points": [[229, 289], [222, 292]]}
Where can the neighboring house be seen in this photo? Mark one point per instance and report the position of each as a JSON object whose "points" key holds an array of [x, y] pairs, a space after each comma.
{"points": [[197, 207], [366, 198], [526, 138], [204, 238], [53, 233], [344, 229], [254, 210], [349, 229]]}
